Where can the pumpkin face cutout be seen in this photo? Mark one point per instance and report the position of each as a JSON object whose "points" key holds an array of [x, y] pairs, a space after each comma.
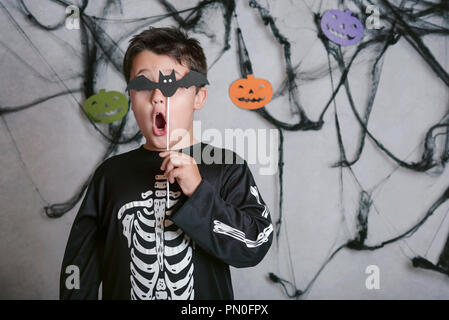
{"points": [[106, 107], [250, 93], [341, 27]]}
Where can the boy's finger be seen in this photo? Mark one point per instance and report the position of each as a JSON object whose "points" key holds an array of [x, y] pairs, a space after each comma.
{"points": [[172, 174], [168, 175], [164, 163], [167, 159], [177, 159], [168, 168], [165, 153], [167, 223], [181, 159]]}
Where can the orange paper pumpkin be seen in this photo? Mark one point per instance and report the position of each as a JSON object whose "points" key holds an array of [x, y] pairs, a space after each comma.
{"points": [[250, 93]]}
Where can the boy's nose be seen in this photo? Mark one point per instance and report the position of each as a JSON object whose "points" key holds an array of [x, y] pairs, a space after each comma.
{"points": [[157, 97]]}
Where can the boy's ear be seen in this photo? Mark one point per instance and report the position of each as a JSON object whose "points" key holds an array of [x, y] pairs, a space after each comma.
{"points": [[200, 98]]}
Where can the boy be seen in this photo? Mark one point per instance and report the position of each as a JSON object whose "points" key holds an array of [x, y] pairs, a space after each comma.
{"points": [[126, 235]]}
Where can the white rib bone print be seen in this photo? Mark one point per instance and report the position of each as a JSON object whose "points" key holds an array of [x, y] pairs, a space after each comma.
{"points": [[161, 256]]}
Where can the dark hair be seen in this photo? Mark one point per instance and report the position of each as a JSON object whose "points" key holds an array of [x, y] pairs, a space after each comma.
{"points": [[169, 41]]}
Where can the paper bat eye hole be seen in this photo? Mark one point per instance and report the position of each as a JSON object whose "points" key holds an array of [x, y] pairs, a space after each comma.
{"points": [[169, 80], [106, 107], [250, 93], [165, 80], [341, 27]]}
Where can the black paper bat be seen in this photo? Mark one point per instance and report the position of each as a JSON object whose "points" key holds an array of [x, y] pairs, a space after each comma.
{"points": [[168, 84]]}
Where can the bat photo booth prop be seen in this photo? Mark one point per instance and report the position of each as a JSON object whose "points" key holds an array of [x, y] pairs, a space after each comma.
{"points": [[168, 84]]}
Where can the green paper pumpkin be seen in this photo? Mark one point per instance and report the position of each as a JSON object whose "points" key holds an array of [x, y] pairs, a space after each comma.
{"points": [[106, 107]]}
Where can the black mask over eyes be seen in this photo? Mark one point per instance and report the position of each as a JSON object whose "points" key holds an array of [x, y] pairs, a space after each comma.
{"points": [[168, 84]]}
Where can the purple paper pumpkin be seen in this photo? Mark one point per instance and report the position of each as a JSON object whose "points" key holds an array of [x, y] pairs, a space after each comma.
{"points": [[341, 27]]}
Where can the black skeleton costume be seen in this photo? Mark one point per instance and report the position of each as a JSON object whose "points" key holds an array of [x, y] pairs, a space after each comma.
{"points": [[120, 236]]}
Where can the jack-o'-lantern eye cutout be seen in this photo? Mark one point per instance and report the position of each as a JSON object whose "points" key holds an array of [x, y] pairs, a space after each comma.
{"points": [[106, 107], [341, 27], [250, 93]]}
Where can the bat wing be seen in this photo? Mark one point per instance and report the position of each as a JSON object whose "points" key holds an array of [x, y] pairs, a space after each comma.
{"points": [[193, 78], [142, 83]]}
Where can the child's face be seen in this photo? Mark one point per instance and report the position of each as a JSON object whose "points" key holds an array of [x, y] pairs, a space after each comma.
{"points": [[150, 107]]}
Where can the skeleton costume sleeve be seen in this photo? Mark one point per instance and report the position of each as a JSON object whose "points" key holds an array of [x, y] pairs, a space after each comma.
{"points": [[232, 223], [81, 264]]}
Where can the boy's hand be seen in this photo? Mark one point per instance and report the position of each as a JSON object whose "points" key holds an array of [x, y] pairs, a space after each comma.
{"points": [[183, 168]]}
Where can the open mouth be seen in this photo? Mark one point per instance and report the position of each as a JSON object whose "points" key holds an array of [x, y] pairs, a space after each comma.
{"points": [[252, 100], [338, 34], [159, 124]]}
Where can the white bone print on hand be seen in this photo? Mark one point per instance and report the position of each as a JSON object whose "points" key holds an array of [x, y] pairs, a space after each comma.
{"points": [[256, 194], [161, 254]]}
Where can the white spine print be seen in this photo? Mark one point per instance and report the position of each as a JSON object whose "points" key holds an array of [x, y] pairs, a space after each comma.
{"points": [[144, 229], [223, 228]]}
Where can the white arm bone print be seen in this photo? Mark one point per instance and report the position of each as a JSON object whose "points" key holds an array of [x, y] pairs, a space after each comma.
{"points": [[161, 264], [223, 228], [255, 193]]}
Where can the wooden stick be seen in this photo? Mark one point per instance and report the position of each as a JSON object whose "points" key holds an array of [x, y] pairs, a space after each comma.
{"points": [[167, 145]]}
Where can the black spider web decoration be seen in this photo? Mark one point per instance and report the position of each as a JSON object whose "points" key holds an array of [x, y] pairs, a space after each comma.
{"points": [[410, 24], [409, 20]]}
